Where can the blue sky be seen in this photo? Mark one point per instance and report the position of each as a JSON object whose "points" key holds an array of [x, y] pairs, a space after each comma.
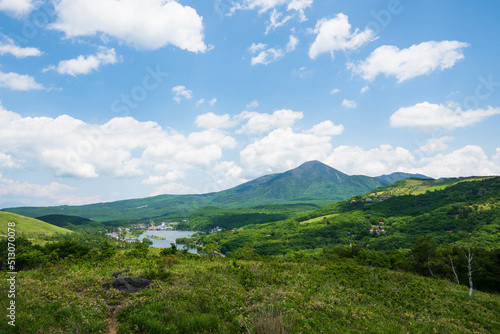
{"points": [[104, 100]]}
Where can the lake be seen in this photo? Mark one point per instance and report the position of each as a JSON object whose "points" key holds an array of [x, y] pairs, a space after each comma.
{"points": [[170, 236]]}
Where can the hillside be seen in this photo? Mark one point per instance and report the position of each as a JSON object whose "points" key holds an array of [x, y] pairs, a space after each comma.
{"points": [[192, 294], [446, 215], [28, 226], [312, 182], [417, 186]]}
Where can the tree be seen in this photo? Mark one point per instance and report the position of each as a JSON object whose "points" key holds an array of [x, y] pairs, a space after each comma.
{"points": [[469, 256], [423, 252]]}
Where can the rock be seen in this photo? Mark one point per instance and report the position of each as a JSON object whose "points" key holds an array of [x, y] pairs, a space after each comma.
{"points": [[118, 273], [128, 284]]}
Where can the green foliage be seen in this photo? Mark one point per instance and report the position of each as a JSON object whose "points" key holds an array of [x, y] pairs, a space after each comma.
{"points": [[328, 293]]}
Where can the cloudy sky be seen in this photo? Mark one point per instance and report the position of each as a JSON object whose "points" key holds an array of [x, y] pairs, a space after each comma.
{"points": [[105, 99]]}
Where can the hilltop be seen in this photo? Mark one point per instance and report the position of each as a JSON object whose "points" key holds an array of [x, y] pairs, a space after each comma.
{"points": [[312, 182], [28, 226]]}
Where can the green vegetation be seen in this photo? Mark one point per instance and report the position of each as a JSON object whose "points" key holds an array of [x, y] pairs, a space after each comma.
{"points": [[192, 294], [312, 183], [30, 227], [353, 266]]}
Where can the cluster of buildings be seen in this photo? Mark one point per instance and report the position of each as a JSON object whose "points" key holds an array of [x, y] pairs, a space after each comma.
{"points": [[117, 235], [379, 228]]}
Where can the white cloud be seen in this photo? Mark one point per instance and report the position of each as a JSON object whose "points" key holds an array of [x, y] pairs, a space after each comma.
{"points": [[145, 24], [266, 57], [326, 128], [122, 147], [426, 115], [6, 161], [16, 189], [292, 43], [275, 20], [497, 155], [335, 91], [253, 104], [8, 46], [261, 122], [349, 104], [173, 188], [226, 174], [435, 144], [168, 177], [283, 149], [416, 60], [212, 102], [85, 64], [264, 5], [213, 121], [335, 35], [373, 162], [17, 81], [364, 89], [467, 161], [255, 47], [200, 102], [17, 7], [181, 92]]}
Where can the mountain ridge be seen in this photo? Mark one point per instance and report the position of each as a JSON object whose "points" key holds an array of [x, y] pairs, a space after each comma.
{"points": [[311, 182]]}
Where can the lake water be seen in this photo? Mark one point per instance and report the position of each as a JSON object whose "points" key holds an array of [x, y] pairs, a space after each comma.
{"points": [[170, 236]]}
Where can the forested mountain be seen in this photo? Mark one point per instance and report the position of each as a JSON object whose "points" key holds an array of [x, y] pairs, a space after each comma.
{"points": [[311, 182]]}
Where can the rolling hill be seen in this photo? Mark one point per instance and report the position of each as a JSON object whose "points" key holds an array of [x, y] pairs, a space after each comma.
{"points": [[311, 182], [26, 225]]}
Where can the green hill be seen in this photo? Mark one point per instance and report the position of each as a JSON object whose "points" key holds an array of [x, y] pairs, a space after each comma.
{"points": [[312, 182], [417, 186], [192, 294], [27, 226]]}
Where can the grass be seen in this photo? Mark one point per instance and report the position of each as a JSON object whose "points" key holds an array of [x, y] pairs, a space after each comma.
{"points": [[413, 186], [203, 295], [28, 226]]}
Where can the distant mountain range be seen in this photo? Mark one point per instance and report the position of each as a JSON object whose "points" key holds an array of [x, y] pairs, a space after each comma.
{"points": [[311, 182]]}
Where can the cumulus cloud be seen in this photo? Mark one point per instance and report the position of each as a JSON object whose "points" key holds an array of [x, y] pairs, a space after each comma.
{"points": [[335, 91], [8, 46], [404, 64], [6, 161], [121, 147], [326, 128], [364, 89], [349, 104], [467, 161], [261, 122], [17, 81], [181, 92], [15, 189], [373, 162], [213, 121], [426, 115], [436, 144], [283, 149], [85, 64], [226, 174], [173, 188], [145, 24], [335, 35], [17, 7], [267, 56]]}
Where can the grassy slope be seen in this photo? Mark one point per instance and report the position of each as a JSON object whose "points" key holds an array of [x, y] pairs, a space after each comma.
{"points": [[416, 186], [27, 225], [222, 296]]}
